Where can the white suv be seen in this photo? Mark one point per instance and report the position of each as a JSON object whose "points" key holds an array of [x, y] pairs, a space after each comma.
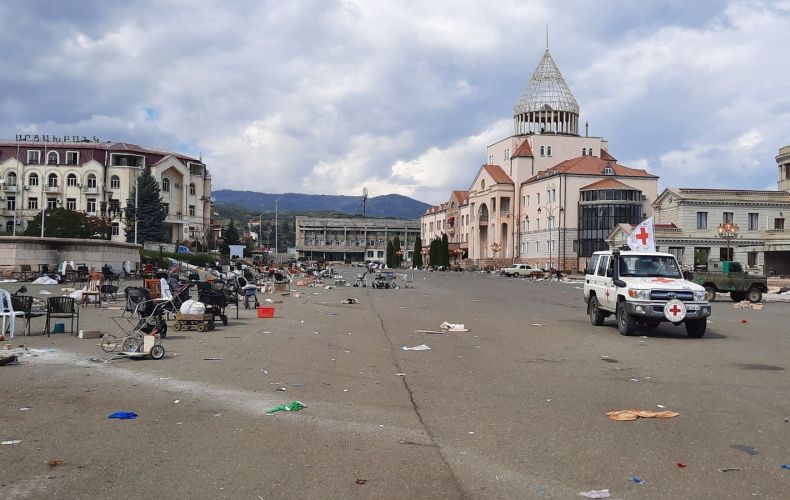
{"points": [[643, 288]]}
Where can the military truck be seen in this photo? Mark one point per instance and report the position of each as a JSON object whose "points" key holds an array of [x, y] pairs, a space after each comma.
{"points": [[726, 276]]}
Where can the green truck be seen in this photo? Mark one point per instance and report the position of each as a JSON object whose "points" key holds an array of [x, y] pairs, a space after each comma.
{"points": [[725, 276]]}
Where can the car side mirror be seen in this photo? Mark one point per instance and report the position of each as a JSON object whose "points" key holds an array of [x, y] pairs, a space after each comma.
{"points": [[619, 283]]}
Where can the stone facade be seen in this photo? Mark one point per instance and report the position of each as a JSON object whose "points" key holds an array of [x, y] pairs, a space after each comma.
{"points": [[355, 239], [18, 250]]}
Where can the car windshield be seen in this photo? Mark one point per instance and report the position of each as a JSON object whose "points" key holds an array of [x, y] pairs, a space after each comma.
{"points": [[649, 266]]}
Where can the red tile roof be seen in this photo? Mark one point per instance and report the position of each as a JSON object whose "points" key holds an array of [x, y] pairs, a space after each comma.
{"points": [[606, 156], [523, 151], [461, 196], [607, 184], [499, 175], [589, 165]]}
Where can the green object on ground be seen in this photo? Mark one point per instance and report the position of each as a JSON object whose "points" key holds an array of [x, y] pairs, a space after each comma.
{"points": [[295, 406]]}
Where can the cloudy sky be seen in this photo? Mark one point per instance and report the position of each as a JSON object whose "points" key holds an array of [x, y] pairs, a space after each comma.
{"points": [[402, 97]]}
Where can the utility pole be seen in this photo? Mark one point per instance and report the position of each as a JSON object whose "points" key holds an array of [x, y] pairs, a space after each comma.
{"points": [[276, 229]]}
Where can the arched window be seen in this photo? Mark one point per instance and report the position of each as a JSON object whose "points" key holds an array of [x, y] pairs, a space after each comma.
{"points": [[584, 151], [91, 181], [52, 180], [548, 151], [53, 158], [32, 180], [542, 151], [191, 189], [10, 179], [115, 182], [9, 227], [608, 170], [165, 185], [482, 184], [71, 180]]}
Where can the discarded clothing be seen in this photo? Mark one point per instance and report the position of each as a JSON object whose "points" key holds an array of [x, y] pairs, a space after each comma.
{"points": [[421, 347], [595, 494], [625, 415], [294, 406], [123, 415]]}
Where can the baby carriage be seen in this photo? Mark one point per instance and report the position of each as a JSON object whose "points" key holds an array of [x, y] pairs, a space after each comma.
{"points": [[214, 299], [384, 281], [140, 333]]}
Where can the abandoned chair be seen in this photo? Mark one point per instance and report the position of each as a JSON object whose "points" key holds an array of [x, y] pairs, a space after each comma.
{"points": [[62, 307], [7, 311], [24, 303], [92, 289]]}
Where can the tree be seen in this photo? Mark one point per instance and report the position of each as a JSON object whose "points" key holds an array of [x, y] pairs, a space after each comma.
{"points": [[150, 213], [444, 255], [389, 260], [417, 257], [63, 223], [433, 253], [231, 237]]}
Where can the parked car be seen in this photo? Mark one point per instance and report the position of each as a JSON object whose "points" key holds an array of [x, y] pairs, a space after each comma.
{"points": [[183, 249], [519, 270]]}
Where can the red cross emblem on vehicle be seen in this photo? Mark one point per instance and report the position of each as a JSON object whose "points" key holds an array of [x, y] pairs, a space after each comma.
{"points": [[642, 236], [606, 292], [675, 310], [663, 280]]}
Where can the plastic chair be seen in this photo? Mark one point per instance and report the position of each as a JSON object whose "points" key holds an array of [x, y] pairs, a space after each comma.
{"points": [[62, 307], [92, 288], [7, 311]]}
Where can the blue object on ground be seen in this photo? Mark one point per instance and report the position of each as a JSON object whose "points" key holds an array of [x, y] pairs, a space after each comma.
{"points": [[635, 479], [786, 466], [123, 415], [59, 328]]}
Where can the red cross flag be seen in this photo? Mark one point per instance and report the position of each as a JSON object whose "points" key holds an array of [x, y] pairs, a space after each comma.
{"points": [[642, 237]]}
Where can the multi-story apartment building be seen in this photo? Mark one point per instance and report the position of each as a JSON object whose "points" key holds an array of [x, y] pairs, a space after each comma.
{"points": [[98, 178], [354, 239]]}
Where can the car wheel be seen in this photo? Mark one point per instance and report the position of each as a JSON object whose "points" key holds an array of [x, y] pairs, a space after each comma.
{"points": [[754, 295], [625, 322], [710, 293], [596, 315], [696, 328], [737, 296]]}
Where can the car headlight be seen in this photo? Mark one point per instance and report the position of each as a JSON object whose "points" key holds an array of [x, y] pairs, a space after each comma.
{"points": [[699, 295], [639, 294]]}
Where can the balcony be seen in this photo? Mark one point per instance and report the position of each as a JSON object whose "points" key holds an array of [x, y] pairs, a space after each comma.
{"points": [[504, 214], [776, 234], [10, 188], [91, 189], [52, 189], [482, 220], [174, 218]]}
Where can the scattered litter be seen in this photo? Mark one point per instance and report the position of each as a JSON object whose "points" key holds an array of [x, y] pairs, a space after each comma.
{"points": [[24, 408], [438, 332], [400, 374], [626, 415], [11, 442], [361, 481], [212, 359], [785, 466], [681, 465], [280, 389], [744, 321], [749, 450], [471, 433], [55, 462], [176, 401], [636, 480], [421, 347], [748, 305], [453, 327], [730, 469], [595, 494], [351, 300], [294, 406], [660, 406], [123, 415], [634, 379], [538, 324]]}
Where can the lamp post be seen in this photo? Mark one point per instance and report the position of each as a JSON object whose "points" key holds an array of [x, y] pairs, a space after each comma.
{"points": [[728, 231], [276, 230], [551, 210]]}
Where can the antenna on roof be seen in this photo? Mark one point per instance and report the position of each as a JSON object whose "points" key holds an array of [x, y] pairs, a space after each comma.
{"points": [[364, 200], [547, 36]]}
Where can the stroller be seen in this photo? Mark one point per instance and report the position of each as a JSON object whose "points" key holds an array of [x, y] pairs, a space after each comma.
{"points": [[146, 319], [215, 300], [384, 281]]}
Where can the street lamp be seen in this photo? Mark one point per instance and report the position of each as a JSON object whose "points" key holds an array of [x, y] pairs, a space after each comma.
{"points": [[551, 211], [728, 231], [276, 229]]}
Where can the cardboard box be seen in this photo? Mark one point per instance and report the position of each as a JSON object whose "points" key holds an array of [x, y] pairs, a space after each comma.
{"points": [[90, 334]]}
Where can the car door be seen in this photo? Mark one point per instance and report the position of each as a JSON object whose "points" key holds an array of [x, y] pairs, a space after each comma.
{"points": [[607, 294], [594, 280]]}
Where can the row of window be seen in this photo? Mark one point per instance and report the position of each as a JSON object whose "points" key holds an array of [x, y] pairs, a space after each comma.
{"points": [[611, 194], [549, 224], [53, 157], [53, 180], [752, 220], [551, 197], [71, 204], [548, 247]]}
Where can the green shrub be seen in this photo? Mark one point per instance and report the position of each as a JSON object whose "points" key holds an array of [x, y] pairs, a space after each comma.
{"points": [[160, 259]]}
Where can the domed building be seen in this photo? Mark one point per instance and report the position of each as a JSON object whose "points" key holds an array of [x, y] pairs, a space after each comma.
{"points": [[547, 195]]}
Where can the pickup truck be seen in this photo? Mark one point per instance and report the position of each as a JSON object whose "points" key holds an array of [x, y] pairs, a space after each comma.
{"points": [[520, 270], [730, 277], [643, 288]]}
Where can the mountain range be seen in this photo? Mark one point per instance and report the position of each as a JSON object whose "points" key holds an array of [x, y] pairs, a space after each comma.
{"points": [[388, 205]]}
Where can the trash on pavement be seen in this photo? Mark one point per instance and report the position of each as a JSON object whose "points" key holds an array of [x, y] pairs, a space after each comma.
{"points": [[11, 442], [351, 300], [636, 480], [730, 469], [123, 415], [745, 304], [596, 494], [453, 327], [626, 415], [294, 406], [55, 462], [361, 481], [421, 347], [785, 466], [681, 465]]}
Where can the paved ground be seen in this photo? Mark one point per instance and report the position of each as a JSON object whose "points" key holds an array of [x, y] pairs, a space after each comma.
{"points": [[513, 409]]}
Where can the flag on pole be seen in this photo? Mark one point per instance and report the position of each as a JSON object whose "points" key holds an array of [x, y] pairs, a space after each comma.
{"points": [[642, 238]]}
